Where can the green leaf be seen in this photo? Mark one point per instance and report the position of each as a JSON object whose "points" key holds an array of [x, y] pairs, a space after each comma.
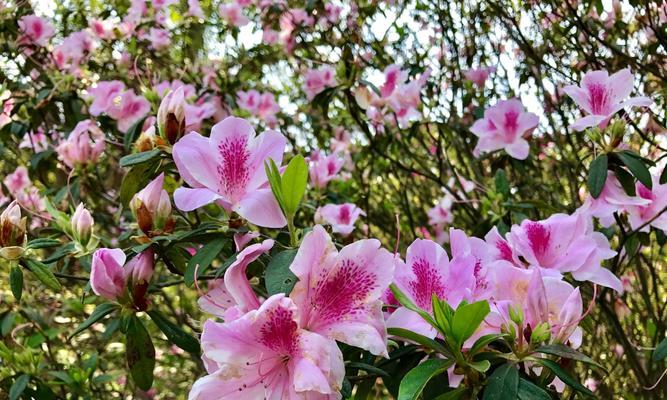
{"points": [[413, 382], [421, 340], [502, 184], [407, 303], [467, 319], [503, 384], [456, 394], [140, 353], [278, 277], [564, 376], [203, 258], [293, 184], [660, 351], [637, 167], [100, 312], [530, 391], [43, 243], [174, 333], [19, 386], [275, 182], [138, 158], [136, 178], [663, 176], [567, 352], [485, 340], [43, 273], [59, 253], [368, 368], [626, 180], [16, 282], [597, 175], [443, 313], [481, 366]]}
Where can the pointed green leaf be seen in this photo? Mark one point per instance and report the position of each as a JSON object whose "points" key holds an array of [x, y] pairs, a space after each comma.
{"points": [[202, 259], [16, 282], [140, 353], [563, 351], [597, 175], [278, 277], [503, 384], [174, 333], [530, 391], [293, 184], [660, 351], [564, 376], [637, 167], [467, 319], [413, 382], [19, 386], [139, 158], [43, 273], [100, 312]]}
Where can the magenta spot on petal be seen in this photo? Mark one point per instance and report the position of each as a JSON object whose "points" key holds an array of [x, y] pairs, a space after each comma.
{"points": [[279, 332], [344, 215], [233, 170], [504, 249], [644, 192], [511, 124], [598, 96], [428, 281], [342, 293], [480, 280], [538, 236]]}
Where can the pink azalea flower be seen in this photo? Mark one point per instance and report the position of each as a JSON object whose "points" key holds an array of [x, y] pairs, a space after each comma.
{"points": [[101, 29], [324, 168], [36, 141], [498, 246], [7, 107], [35, 30], [83, 146], [541, 298], [601, 96], [468, 248], [478, 76], [160, 38], [233, 14], [235, 296], [341, 217], [165, 87], [316, 80], [564, 243], [104, 94], [107, 275], [130, 110], [73, 49], [268, 108], [195, 114], [612, 199], [228, 168], [503, 127], [17, 180], [654, 211], [194, 9], [393, 76], [267, 354], [425, 272], [338, 293], [242, 239], [442, 212], [248, 101]]}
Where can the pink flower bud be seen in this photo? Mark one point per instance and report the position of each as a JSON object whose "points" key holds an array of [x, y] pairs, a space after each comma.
{"points": [[140, 268], [12, 226], [107, 276], [171, 116], [82, 224], [152, 206], [83, 146]]}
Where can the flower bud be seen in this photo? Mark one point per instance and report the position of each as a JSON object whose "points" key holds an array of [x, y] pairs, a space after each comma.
{"points": [[171, 116], [140, 268], [152, 206], [12, 226], [516, 315], [82, 225], [107, 275], [147, 140], [541, 333]]}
